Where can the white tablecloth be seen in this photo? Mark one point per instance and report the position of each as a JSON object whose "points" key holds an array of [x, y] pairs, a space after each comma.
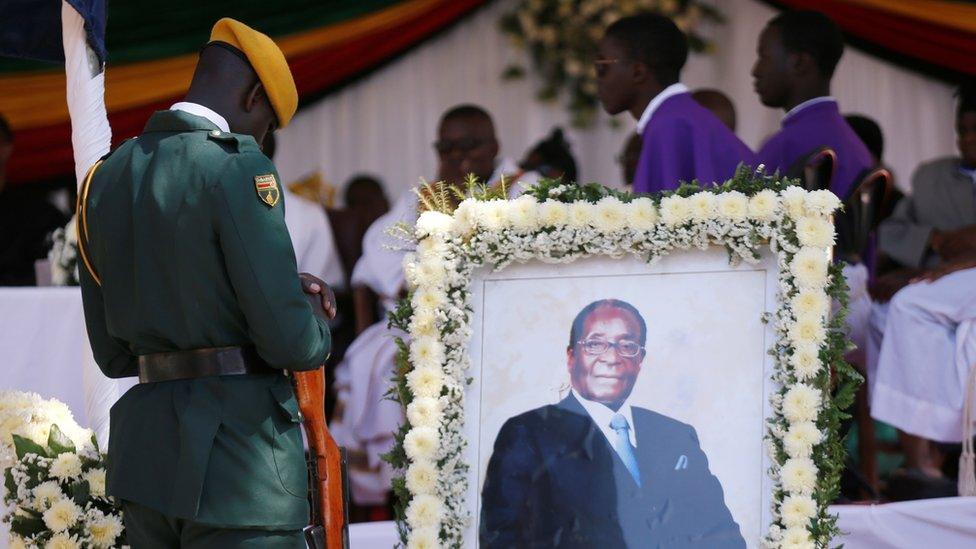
{"points": [[43, 344]]}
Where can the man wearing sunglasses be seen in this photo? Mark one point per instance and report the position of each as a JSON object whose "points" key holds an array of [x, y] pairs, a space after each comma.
{"points": [[593, 470]]}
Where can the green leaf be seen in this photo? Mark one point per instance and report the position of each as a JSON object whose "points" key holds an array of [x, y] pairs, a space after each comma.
{"points": [[26, 526], [59, 442], [24, 446], [8, 482], [80, 492]]}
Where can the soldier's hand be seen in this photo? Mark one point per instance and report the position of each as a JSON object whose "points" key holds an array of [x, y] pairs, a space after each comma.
{"points": [[314, 286]]}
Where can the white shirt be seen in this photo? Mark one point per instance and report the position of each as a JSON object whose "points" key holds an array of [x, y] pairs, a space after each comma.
{"points": [[205, 112], [311, 237], [808, 103], [601, 415], [668, 92]]}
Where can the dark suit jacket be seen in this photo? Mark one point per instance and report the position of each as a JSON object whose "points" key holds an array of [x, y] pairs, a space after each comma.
{"points": [[554, 481]]}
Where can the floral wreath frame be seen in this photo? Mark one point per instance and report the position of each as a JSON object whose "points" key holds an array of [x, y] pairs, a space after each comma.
{"points": [[554, 222]]}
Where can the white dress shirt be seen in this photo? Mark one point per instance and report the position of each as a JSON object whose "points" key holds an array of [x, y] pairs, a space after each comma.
{"points": [[205, 112], [670, 91], [601, 415]]}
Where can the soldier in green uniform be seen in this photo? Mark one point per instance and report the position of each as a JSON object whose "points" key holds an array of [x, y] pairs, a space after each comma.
{"points": [[190, 283]]}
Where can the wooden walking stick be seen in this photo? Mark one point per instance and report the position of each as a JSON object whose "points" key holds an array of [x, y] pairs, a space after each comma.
{"points": [[328, 485]]}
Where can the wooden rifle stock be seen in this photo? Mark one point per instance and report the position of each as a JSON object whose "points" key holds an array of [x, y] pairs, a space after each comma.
{"points": [[327, 463]]}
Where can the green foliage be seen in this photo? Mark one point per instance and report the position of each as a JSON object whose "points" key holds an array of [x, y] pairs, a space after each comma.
{"points": [[24, 446], [58, 442]]}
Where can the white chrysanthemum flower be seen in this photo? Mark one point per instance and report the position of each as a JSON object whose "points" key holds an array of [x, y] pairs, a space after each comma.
{"points": [[423, 538], [799, 475], [431, 222], [642, 214], [431, 272], [96, 481], [426, 352], [822, 202], [610, 215], [523, 213], [675, 210], [428, 298], [797, 510], [16, 542], [421, 443], [801, 438], [553, 213], [47, 493], [66, 466], [808, 328], [422, 477], [801, 403], [466, 216], [805, 361], [426, 382], [425, 511], [581, 214], [105, 530], [423, 323], [431, 247], [424, 412], [410, 273], [809, 268], [62, 514], [733, 205], [797, 538], [810, 302], [762, 205], [62, 541], [815, 231], [492, 214], [704, 206], [794, 201]]}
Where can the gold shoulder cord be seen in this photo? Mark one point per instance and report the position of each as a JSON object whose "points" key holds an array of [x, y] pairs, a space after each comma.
{"points": [[82, 223]]}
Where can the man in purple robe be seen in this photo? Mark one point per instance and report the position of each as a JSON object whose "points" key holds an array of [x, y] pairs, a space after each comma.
{"points": [[798, 52], [638, 68]]}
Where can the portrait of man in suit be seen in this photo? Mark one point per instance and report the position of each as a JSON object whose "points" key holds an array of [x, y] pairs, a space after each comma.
{"points": [[595, 471]]}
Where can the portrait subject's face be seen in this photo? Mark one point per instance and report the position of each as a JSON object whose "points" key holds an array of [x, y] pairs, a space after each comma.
{"points": [[607, 377]]}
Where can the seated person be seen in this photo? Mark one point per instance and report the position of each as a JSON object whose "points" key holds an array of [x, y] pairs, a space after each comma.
{"points": [[552, 158], [365, 195], [923, 335], [638, 68], [798, 52]]}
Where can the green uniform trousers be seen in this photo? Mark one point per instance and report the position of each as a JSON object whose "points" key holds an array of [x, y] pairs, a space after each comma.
{"points": [[149, 529]]}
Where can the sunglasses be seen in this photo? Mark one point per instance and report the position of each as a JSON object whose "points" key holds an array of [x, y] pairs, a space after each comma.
{"points": [[468, 144]]}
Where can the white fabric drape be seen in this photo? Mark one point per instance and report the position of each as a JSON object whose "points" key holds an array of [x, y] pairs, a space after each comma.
{"points": [[385, 123], [91, 139]]}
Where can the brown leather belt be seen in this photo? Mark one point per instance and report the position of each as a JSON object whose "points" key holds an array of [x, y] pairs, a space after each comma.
{"points": [[221, 361]]}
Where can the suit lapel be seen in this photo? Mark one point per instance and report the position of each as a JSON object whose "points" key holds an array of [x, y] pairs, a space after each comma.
{"points": [[597, 448], [960, 195]]}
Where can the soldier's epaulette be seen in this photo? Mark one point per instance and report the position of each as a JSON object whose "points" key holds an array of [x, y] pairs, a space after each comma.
{"points": [[239, 142]]}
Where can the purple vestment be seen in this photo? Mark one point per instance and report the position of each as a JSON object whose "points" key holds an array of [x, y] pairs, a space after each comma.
{"points": [[685, 141], [811, 127]]}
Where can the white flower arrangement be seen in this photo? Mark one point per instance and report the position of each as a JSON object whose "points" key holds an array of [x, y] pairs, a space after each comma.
{"points": [[561, 38], [63, 255], [55, 478], [560, 223]]}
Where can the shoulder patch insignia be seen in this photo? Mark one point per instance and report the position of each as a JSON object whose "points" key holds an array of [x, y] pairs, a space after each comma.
{"points": [[267, 188]]}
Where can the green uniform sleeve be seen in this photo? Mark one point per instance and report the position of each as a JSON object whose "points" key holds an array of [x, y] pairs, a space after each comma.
{"points": [[261, 266], [112, 356]]}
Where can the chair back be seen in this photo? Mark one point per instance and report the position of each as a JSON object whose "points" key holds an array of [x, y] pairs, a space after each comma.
{"points": [[862, 212], [816, 169]]}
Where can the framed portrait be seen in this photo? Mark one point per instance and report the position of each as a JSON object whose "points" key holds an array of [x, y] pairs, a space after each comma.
{"points": [[587, 368]]}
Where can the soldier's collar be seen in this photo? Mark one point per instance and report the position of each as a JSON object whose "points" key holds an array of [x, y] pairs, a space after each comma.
{"points": [[178, 121]]}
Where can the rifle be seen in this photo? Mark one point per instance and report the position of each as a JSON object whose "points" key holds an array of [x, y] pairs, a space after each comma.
{"points": [[328, 484]]}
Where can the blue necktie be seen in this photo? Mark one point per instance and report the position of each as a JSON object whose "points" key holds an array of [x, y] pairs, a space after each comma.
{"points": [[623, 446]]}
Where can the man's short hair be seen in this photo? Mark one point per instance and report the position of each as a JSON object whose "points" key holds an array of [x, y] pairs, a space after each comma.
{"points": [[655, 41], [812, 33], [869, 132], [6, 134], [576, 332], [466, 111], [967, 98]]}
